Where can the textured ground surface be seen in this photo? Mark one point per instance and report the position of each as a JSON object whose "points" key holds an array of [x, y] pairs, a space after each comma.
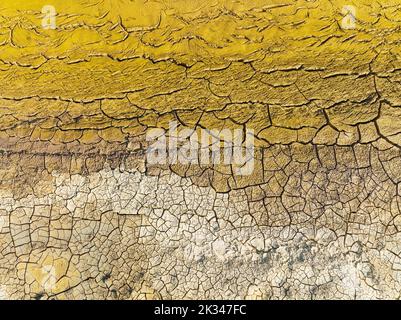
{"points": [[83, 215]]}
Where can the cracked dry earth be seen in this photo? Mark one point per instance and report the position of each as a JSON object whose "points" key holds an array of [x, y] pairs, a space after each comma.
{"points": [[83, 215]]}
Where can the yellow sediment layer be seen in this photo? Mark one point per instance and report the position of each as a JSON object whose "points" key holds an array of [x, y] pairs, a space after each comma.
{"points": [[111, 69]]}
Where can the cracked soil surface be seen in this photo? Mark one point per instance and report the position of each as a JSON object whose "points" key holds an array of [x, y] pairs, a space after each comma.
{"points": [[84, 216]]}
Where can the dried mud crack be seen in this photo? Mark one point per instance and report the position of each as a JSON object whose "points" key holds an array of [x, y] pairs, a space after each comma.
{"points": [[84, 215]]}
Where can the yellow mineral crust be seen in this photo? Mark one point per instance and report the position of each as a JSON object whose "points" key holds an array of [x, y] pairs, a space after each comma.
{"points": [[83, 214]]}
